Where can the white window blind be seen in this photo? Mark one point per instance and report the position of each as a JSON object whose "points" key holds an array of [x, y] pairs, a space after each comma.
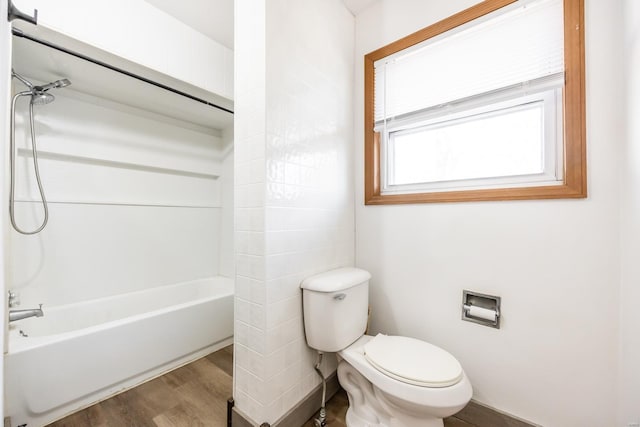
{"points": [[518, 44]]}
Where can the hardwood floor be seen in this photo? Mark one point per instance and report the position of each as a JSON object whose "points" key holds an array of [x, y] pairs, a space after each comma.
{"points": [[194, 395]]}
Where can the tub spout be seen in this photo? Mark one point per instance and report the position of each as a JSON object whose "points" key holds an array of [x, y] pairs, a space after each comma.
{"points": [[23, 314]]}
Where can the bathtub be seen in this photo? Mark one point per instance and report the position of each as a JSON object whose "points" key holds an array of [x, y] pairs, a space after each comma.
{"points": [[79, 354]]}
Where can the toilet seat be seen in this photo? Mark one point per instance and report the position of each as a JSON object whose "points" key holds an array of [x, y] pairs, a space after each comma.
{"points": [[435, 397], [413, 361]]}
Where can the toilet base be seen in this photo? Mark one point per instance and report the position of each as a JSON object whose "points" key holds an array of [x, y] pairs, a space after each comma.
{"points": [[368, 407]]}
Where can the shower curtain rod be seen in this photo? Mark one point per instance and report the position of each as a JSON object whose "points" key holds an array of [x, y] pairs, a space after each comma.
{"points": [[19, 33]]}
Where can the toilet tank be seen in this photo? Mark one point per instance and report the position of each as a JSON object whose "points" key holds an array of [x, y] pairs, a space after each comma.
{"points": [[335, 308]]}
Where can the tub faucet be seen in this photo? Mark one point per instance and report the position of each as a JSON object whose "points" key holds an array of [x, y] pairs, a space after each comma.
{"points": [[23, 314]]}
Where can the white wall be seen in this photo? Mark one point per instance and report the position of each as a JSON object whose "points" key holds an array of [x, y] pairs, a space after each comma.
{"points": [[5, 90], [138, 32], [554, 263], [134, 201], [214, 18], [629, 396], [294, 187]]}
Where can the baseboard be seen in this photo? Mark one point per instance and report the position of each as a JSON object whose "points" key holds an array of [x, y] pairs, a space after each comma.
{"points": [[308, 406], [299, 414], [474, 413], [483, 415]]}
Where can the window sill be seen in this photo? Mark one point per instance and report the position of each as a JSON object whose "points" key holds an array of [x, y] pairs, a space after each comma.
{"points": [[526, 193]]}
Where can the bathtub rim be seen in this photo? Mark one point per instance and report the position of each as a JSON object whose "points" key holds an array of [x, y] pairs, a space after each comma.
{"points": [[17, 343]]}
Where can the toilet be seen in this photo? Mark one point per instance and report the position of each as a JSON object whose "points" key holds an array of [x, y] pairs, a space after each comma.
{"points": [[391, 381]]}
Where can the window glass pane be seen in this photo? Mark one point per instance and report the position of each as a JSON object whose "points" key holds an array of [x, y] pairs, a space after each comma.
{"points": [[498, 144]]}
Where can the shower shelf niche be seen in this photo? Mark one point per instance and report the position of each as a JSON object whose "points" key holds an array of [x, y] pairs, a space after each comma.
{"points": [[46, 64]]}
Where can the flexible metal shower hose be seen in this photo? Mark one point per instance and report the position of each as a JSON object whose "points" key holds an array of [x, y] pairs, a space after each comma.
{"points": [[35, 166]]}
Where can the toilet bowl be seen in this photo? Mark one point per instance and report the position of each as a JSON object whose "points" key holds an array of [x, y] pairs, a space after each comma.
{"points": [[391, 381], [377, 398]]}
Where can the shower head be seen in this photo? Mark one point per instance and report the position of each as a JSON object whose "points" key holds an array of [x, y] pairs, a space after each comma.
{"points": [[56, 84], [63, 82], [39, 95], [42, 98]]}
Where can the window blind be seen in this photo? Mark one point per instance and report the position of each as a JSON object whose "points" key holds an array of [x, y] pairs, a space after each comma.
{"points": [[516, 44]]}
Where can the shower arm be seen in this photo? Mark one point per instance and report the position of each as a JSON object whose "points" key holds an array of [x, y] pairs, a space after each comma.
{"points": [[24, 81], [40, 89]]}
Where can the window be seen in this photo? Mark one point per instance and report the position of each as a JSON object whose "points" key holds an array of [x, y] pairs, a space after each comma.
{"points": [[485, 105]]}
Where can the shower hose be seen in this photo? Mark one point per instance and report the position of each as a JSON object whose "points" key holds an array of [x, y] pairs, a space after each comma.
{"points": [[12, 166]]}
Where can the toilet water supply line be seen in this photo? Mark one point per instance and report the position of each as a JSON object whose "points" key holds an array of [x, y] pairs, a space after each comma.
{"points": [[321, 421]]}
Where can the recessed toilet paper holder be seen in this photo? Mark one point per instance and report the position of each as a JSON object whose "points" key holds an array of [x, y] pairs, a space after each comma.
{"points": [[481, 308]]}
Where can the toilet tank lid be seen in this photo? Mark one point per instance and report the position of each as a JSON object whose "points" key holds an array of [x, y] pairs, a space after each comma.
{"points": [[336, 280]]}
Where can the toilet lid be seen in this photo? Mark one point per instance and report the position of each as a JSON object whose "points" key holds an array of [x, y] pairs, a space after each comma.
{"points": [[413, 361]]}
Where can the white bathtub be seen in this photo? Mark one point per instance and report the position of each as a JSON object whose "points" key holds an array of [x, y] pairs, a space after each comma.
{"points": [[79, 354]]}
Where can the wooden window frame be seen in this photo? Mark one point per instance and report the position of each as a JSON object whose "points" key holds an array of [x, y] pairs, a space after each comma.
{"points": [[573, 105]]}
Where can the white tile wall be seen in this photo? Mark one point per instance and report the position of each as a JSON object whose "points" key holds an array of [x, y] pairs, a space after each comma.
{"points": [[249, 131], [294, 196]]}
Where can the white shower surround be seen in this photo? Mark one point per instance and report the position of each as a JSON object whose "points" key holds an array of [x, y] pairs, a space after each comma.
{"points": [[81, 353], [136, 219], [119, 227]]}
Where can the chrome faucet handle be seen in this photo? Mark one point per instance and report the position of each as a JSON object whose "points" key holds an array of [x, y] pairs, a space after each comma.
{"points": [[14, 299]]}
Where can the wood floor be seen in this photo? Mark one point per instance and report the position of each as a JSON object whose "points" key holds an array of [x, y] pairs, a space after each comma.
{"points": [[194, 395]]}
